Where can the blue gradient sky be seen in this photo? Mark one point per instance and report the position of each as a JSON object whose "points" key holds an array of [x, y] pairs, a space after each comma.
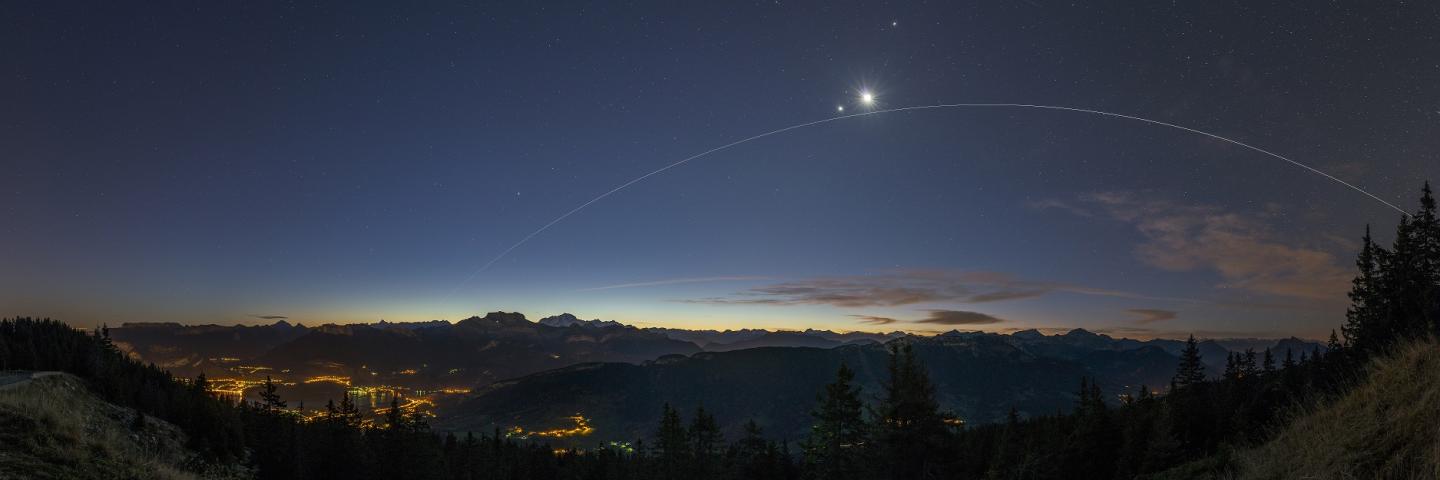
{"points": [[351, 161]]}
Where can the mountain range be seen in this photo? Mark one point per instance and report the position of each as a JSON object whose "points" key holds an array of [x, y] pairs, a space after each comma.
{"points": [[474, 350], [534, 374]]}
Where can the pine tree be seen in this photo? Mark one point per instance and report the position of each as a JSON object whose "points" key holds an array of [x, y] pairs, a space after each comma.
{"points": [[911, 433], [752, 441], [672, 447], [1137, 433], [1362, 320], [1404, 300], [1427, 232], [705, 441], [705, 433], [1090, 451], [394, 420], [1009, 450], [837, 438], [1232, 368], [1410, 278], [753, 457], [200, 385], [1247, 364], [1191, 370], [1088, 398], [270, 401], [348, 413], [106, 345]]}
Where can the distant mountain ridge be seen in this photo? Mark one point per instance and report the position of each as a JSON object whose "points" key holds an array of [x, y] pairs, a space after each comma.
{"points": [[568, 320], [503, 345], [474, 350], [187, 349], [725, 340]]}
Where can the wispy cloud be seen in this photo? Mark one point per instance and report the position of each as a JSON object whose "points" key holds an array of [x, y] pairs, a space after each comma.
{"points": [[1343, 243], [678, 281], [1060, 205], [270, 317], [1152, 315], [907, 287], [874, 320], [1241, 249], [959, 317], [1147, 333], [936, 317]]}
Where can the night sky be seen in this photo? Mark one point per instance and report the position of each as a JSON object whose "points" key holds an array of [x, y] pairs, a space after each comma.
{"points": [[223, 161]]}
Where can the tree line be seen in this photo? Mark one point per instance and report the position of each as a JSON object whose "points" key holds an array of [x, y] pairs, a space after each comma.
{"points": [[903, 434]]}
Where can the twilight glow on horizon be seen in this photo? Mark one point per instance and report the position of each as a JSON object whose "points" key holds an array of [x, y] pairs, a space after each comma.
{"points": [[335, 166]]}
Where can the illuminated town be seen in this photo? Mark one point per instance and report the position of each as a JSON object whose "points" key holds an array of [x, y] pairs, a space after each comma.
{"points": [[581, 428], [373, 399]]}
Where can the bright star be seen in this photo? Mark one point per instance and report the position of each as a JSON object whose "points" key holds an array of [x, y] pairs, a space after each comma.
{"points": [[840, 108], [867, 98]]}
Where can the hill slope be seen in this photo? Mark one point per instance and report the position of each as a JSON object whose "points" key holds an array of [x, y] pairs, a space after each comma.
{"points": [[51, 426], [1386, 427], [978, 377]]}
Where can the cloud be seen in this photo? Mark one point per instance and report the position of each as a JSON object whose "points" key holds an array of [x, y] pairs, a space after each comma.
{"points": [[271, 317], [1152, 315], [1245, 253], [1148, 333], [959, 317], [1348, 169], [1060, 205], [1005, 295], [677, 281], [1343, 243], [873, 320], [906, 287]]}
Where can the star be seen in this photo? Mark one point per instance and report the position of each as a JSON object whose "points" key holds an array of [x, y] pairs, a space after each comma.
{"points": [[867, 98], [840, 108]]}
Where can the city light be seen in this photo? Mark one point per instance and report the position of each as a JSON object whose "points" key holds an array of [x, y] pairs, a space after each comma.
{"points": [[581, 428]]}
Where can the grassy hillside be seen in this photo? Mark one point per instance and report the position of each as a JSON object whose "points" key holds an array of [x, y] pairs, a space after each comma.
{"points": [[1386, 427], [54, 427]]}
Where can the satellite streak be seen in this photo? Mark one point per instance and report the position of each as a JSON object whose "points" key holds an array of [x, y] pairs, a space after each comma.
{"points": [[660, 170]]}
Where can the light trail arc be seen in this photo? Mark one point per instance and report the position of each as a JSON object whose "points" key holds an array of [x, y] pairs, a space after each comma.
{"points": [[940, 106]]}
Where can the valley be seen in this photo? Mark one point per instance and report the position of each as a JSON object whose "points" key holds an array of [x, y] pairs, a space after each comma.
{"points": [[574, 382]]}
